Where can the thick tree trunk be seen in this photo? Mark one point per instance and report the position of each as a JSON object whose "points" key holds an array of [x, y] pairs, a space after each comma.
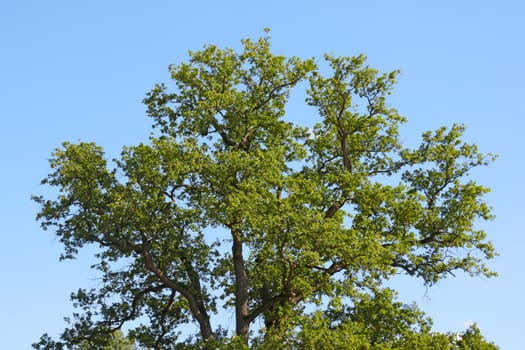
{"points": [[242, 325]]}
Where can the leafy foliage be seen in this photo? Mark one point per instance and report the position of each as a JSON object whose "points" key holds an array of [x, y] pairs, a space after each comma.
{"points": [[292, 228]]}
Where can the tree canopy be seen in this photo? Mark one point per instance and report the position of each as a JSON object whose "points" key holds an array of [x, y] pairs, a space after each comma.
{"points": [[235, 208]]}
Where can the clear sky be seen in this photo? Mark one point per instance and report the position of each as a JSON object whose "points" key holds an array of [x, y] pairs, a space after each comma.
{"points": [[78, 70]]}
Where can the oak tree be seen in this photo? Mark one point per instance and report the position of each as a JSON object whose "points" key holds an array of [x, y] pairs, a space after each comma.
{"points": [[291, 228]]}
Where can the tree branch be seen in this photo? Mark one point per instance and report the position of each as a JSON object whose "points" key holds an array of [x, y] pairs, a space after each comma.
{"points": [[197, 310]]}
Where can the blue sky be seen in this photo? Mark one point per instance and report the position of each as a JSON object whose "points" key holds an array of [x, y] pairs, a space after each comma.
{"points": [[78, 70]]}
